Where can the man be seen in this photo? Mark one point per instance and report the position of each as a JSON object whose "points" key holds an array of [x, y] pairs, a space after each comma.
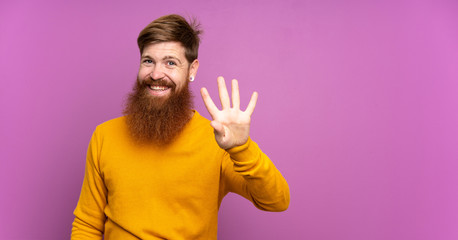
{"points": [[157, 172]]}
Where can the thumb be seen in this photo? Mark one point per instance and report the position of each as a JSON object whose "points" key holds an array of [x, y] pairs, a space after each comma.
{"points": [[219, 128]]}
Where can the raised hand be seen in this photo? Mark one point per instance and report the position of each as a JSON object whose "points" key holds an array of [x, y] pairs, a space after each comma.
{"points": [[232, 126]]}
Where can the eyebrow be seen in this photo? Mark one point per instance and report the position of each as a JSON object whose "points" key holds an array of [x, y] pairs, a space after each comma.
{"points": [[164, 58], [171, 57]]}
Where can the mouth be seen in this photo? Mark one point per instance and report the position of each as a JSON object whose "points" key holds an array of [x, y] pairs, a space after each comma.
{"points": [[158, 90]]}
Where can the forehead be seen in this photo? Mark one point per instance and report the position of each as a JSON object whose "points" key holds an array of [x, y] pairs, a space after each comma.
{"points": [[161, 49]]}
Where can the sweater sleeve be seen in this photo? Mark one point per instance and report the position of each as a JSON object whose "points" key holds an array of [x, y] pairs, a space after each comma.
{"points": [[89, 213], [252, 175]]}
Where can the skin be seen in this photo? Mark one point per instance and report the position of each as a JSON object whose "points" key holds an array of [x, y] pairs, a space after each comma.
{"points": [[167, 61], [232, 125]]}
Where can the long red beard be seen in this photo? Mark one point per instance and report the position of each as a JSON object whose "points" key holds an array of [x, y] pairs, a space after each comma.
{"points": [[155, 119]]}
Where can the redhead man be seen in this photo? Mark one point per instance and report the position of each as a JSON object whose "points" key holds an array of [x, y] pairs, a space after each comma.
{"points": [[162, 170]]}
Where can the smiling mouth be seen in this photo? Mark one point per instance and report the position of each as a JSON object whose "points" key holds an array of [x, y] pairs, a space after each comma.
{"points": [[158, 88]]}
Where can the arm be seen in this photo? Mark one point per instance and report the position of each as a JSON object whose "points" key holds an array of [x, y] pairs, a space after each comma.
{"points": [[248, 172], [89, 215], [251, 174]]}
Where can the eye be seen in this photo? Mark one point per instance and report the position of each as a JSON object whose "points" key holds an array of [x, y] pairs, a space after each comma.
{"points": [[171, 63], [147, 61]]}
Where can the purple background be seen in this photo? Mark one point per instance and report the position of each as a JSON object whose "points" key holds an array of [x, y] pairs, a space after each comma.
{"points": [[358, 108]]}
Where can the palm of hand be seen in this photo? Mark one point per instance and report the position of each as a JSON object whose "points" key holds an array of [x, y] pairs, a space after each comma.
{"points": [[231, 125]]}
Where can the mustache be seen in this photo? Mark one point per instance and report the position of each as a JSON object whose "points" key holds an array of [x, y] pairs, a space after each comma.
{"points": [[159, 82]]}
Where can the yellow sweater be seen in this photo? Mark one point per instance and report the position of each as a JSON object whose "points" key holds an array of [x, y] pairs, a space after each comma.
{"points": [[172, 192]]}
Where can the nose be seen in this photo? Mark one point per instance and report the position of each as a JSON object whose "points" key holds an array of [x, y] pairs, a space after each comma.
{"points": [[157, 73]]}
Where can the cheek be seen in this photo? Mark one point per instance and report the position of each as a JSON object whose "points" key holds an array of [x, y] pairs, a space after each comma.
{"points": [[182, 79], [142, 73], [175, 76]]}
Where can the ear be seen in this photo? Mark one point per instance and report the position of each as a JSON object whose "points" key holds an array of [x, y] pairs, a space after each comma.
{"points": [[193, 68]]}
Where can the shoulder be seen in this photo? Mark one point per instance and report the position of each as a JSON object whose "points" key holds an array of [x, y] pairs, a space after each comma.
{"points": [[198, 133], [199, 119], [198, 123], [115, 123], [113, 127]]}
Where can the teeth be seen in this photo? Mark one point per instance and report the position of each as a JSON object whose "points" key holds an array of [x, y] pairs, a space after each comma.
{"points": [[158, 88]]}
